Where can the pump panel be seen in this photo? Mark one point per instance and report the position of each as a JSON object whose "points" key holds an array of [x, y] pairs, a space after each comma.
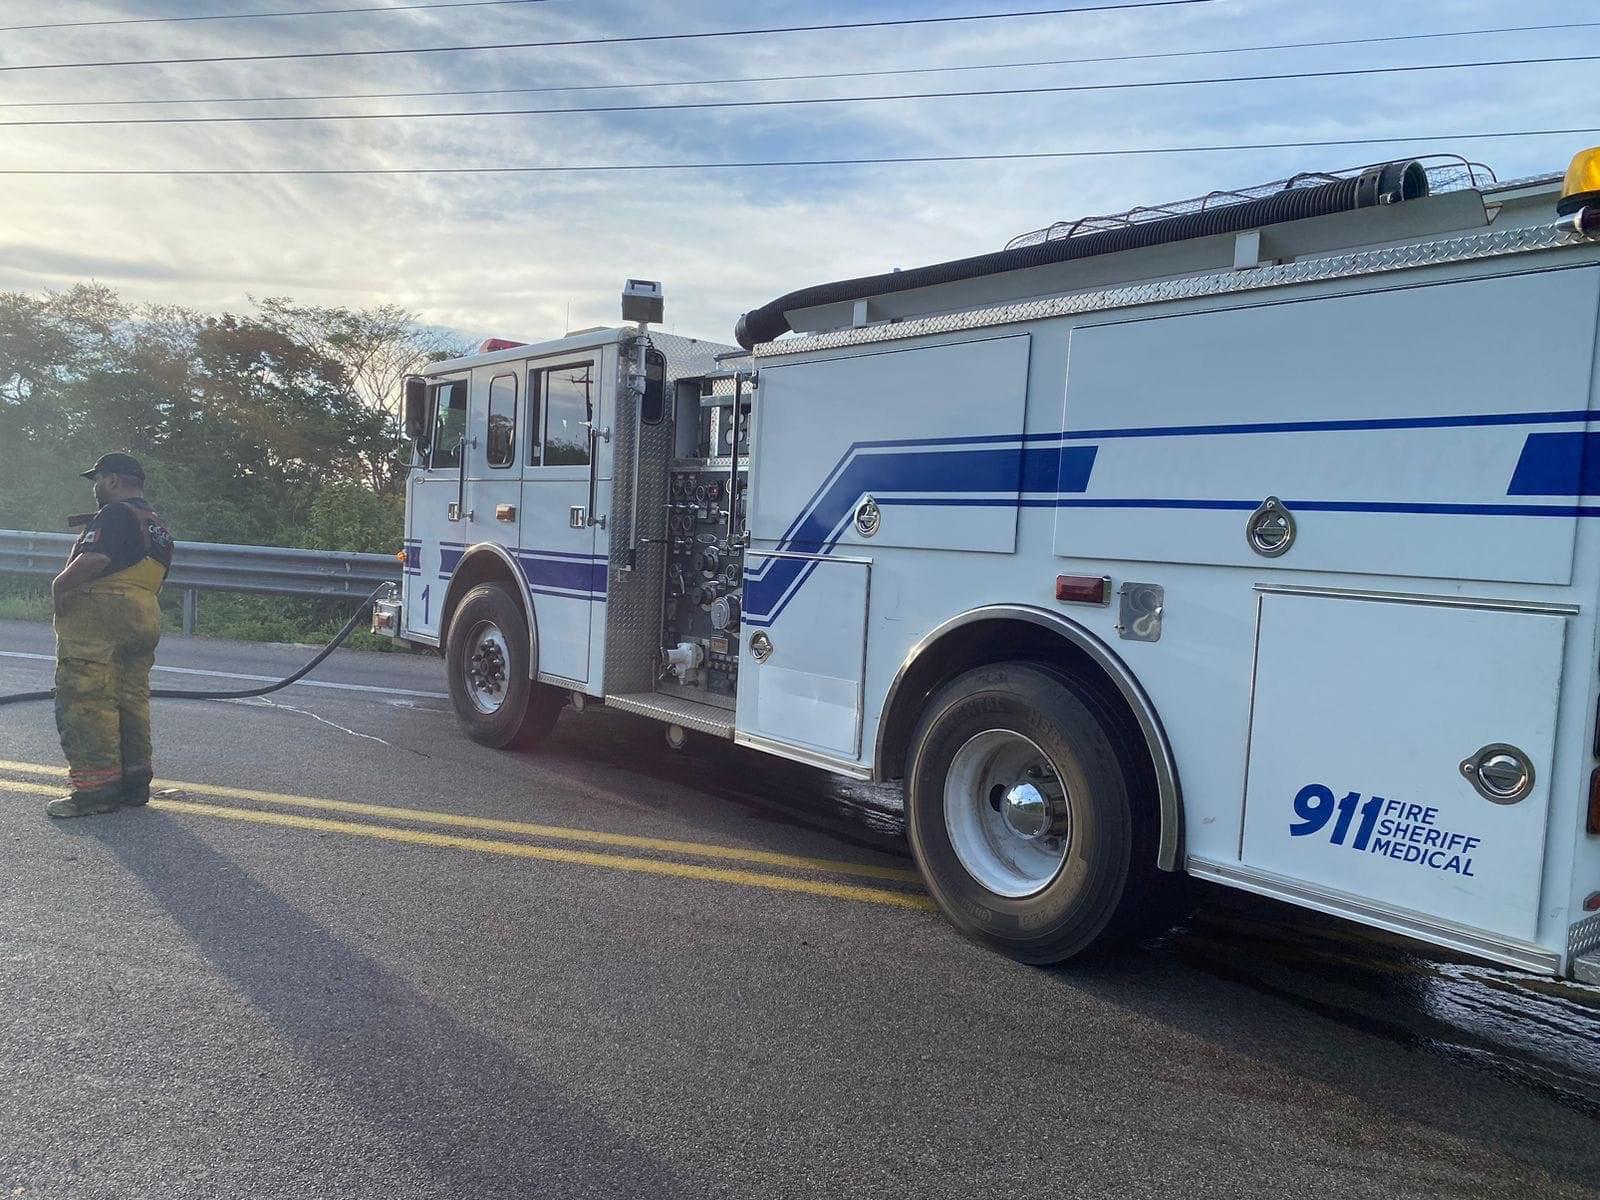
{"points": [[704, 584]]}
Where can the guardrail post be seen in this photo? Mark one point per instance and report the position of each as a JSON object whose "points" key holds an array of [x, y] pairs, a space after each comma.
{"points": [[191, 610]]}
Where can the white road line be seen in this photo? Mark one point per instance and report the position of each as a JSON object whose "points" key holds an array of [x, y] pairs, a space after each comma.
{"points": [[314, 683], [263, 702]]}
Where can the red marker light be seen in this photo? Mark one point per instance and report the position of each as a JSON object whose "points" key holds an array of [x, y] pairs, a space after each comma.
{"points": [[1592, 825], [1083, 589], [489, 344]]}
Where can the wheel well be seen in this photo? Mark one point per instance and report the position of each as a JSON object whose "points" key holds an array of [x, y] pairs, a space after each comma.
{"points": [[482, 567], [983, 641]]}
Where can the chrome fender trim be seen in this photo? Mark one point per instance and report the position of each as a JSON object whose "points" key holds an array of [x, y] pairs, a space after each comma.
{"points": [[522, 588], [1155, 736]]}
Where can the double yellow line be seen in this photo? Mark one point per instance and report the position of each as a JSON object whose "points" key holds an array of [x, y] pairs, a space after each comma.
{"points": [[46, 779]]}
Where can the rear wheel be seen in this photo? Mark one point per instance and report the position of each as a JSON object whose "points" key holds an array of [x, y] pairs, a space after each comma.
{"points": [[487, 662], [1028, 810]]}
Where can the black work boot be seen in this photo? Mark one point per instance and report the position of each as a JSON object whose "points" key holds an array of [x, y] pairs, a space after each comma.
{"points": [[136, 789], [85, 802]]}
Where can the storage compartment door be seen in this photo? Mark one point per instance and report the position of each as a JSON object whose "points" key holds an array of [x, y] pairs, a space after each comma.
{"points": [[933, 435], [1364, 711], [1433, 431], [801, 661]]}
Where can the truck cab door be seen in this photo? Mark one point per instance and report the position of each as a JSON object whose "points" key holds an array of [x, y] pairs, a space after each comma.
{"points": [[559, 526], [433, 547], [494, 474]]}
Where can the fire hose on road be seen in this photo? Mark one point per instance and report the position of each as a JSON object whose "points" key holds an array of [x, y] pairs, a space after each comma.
{"points": [[266, 689]]}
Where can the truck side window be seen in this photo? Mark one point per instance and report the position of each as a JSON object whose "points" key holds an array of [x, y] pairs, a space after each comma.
{"points": [[502, 420], [449, 423], [653, 404], [568, 402]]}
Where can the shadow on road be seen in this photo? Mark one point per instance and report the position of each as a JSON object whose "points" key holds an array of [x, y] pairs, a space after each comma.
{"points": [[1445, 1107], [456, 1104]]}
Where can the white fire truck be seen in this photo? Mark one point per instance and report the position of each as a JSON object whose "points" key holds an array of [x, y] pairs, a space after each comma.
{"points": [[1250, 539]]}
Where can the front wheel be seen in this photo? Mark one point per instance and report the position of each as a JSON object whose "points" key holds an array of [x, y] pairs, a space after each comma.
{"points": [[487, 662], [1027, 811]]}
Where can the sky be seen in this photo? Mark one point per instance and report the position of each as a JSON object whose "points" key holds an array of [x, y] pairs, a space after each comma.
{"points": [[530, 256]]}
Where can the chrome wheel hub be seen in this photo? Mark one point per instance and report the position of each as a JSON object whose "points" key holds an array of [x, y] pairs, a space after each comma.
{"points": [[1006, 812], [487, 665], [1030, 811]]}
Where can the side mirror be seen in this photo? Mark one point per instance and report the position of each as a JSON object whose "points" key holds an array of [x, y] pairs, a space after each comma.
{"points": [[416, 409], [653, 405]]}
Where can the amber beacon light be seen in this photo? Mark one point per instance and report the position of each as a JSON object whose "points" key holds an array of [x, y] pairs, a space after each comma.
{"points": [[1581, 188]]}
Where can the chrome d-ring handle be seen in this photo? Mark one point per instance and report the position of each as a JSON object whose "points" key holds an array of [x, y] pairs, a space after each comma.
{"points": [[1270, 529], [1500, 773]]}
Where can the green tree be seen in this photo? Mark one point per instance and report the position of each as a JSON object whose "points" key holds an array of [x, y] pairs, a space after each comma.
{"points": [[243, 421], [377, 347], [350, 516]]}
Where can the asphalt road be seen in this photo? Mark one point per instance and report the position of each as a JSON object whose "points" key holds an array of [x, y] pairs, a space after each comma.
{"points": [[349, 953]]}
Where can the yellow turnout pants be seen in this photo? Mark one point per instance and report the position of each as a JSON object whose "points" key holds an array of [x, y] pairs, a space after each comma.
{"points": [[105, 647]]}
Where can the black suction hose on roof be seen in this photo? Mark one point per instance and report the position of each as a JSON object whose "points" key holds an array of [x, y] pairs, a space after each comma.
{"points": [[1386, 184]]}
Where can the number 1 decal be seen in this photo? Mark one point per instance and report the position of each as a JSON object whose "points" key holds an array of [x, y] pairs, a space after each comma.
{"points": [[1369, 818], [425, 592]]}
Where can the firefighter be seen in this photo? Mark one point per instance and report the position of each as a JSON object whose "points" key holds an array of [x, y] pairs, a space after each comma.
{"points": [[107, 625]]}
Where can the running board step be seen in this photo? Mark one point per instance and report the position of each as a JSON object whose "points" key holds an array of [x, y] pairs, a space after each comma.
{"points": [[691, 714]]}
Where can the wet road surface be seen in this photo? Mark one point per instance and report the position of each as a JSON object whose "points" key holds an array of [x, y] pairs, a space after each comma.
{"points": [[1541, 1033], [348, 952]]}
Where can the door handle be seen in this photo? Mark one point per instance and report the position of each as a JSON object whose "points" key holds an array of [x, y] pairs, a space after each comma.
{"points": [[459, 509], [594, 468], [577, 517]]}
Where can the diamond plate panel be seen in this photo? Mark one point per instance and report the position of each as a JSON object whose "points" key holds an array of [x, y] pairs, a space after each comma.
{"points": [[1584, 936], [1524, 240], [723, 387], [633, 598], [691, 714], [688, 357]]}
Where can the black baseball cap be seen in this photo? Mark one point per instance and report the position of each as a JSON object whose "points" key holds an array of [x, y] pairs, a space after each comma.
{"points": [[119, 464]]}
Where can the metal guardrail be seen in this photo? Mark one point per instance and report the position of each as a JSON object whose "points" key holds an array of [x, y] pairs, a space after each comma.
{"points": [[219, 567]]}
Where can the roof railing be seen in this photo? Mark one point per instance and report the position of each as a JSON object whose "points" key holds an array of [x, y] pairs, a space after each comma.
{"points": [[1446, 173]]}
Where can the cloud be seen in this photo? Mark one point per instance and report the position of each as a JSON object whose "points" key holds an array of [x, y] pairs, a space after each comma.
{"points": [[516, 254]]}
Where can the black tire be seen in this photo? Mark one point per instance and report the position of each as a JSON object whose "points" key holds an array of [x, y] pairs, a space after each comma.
{"points": [[527, 711], [1107, 889]]}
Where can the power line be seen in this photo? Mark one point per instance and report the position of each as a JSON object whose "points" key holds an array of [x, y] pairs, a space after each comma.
{"points": [[687, 105], [655, 83], [611, 41], [252, 16], [1126, 152]]}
